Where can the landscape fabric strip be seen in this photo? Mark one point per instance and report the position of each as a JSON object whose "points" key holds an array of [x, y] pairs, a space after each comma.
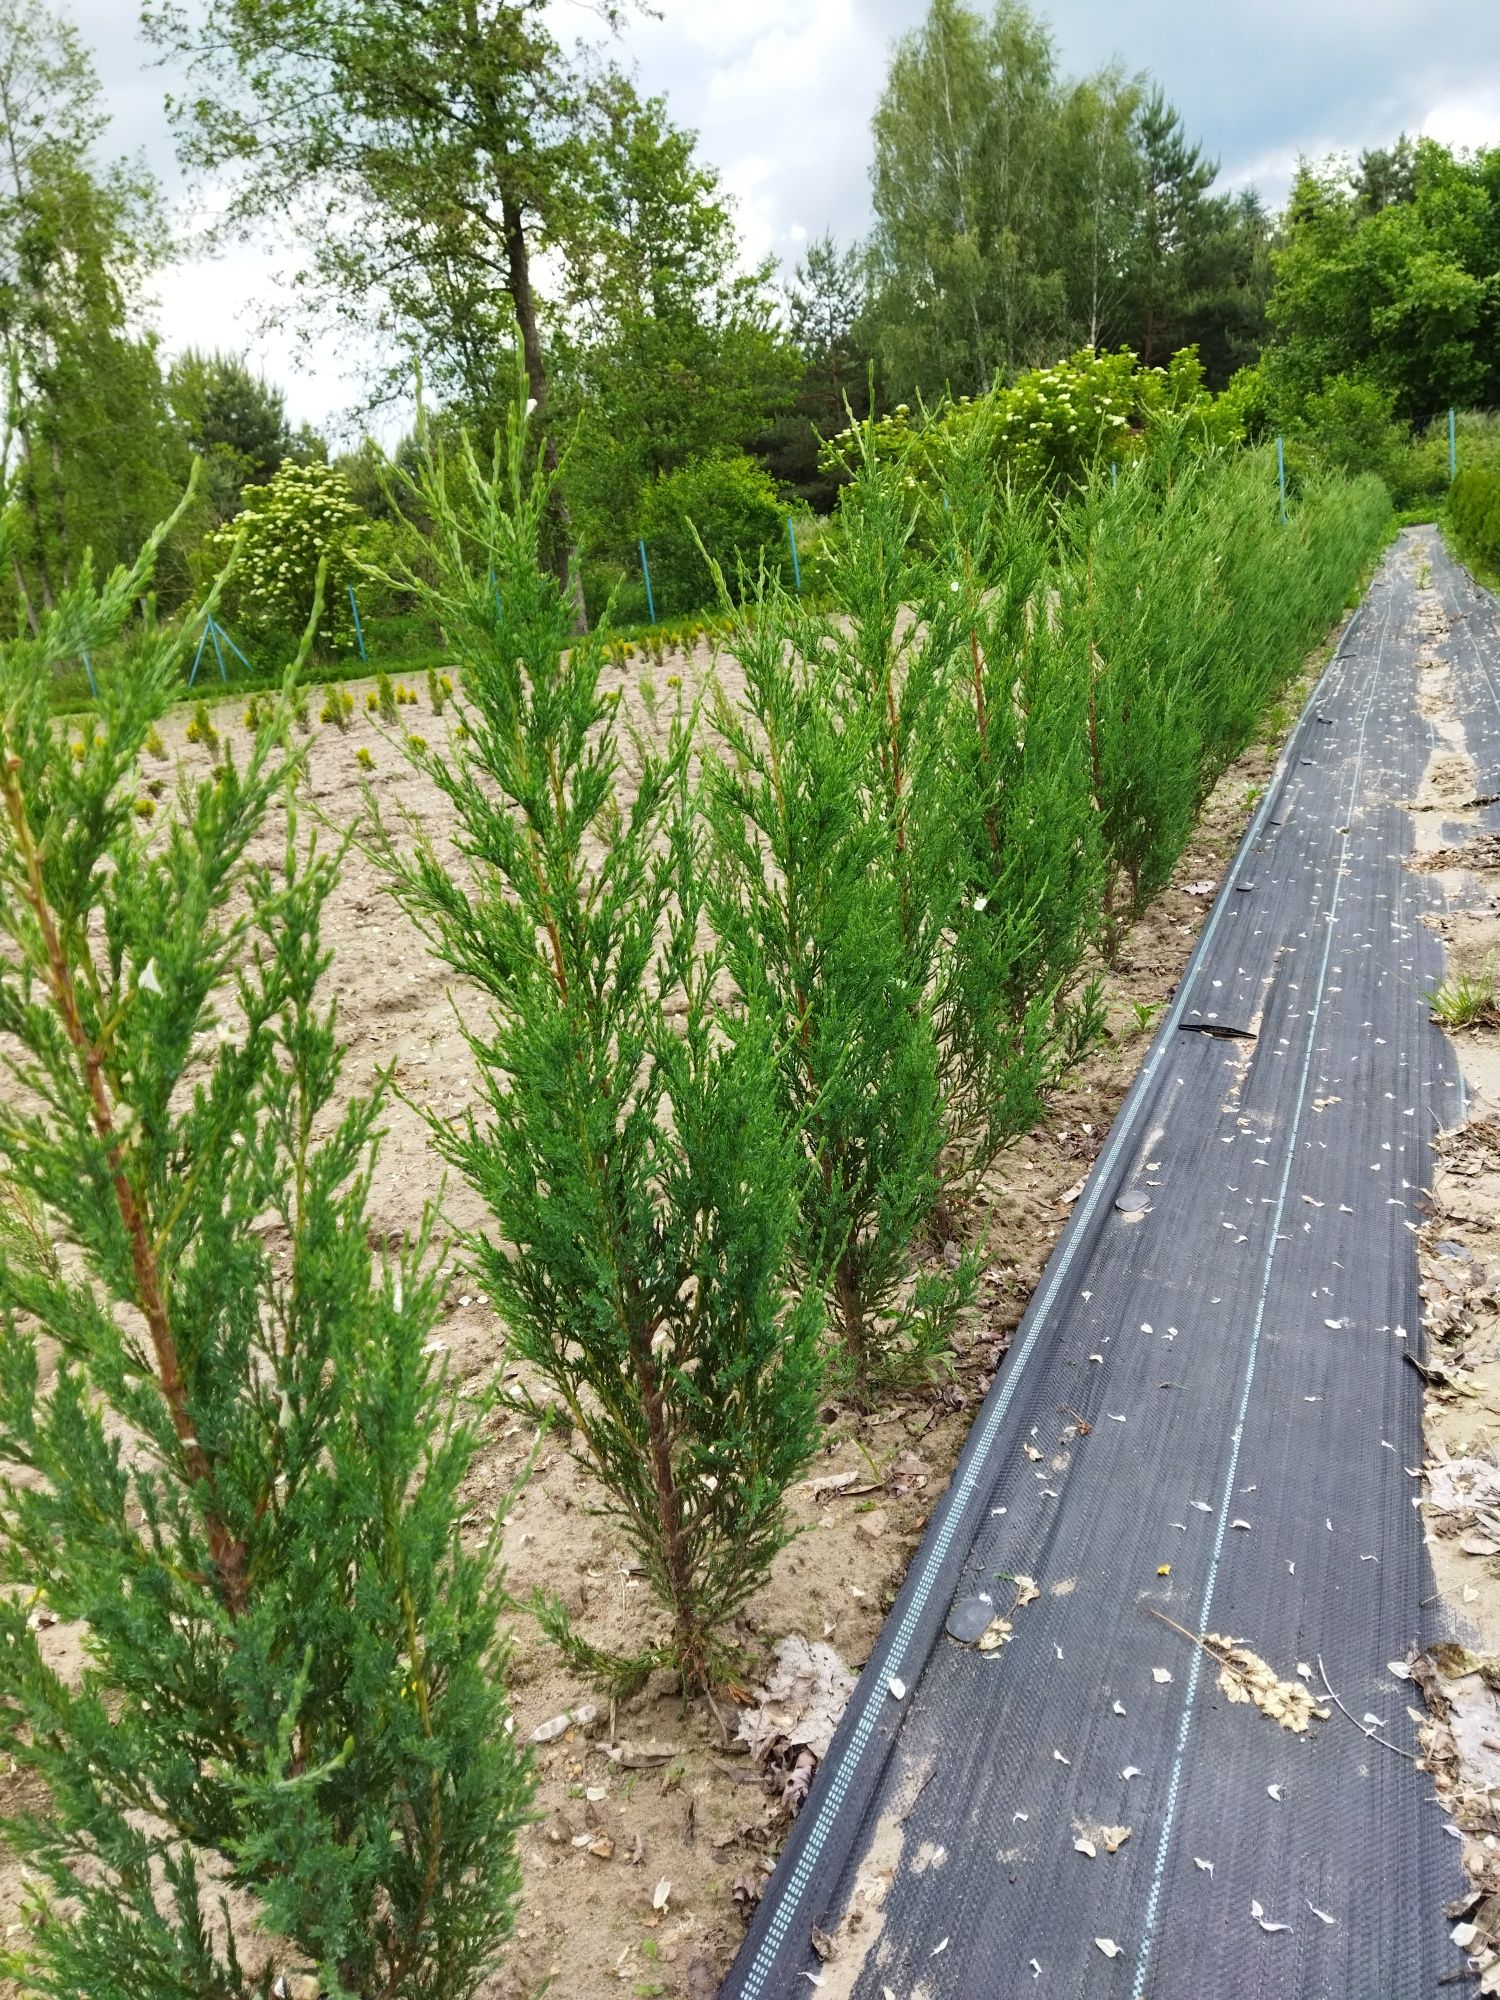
{"points": [[1235, 1335]]}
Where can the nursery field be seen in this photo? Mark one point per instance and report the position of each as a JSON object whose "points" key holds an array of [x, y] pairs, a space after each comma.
{"points": [[516, 1187], [655, 1792]]}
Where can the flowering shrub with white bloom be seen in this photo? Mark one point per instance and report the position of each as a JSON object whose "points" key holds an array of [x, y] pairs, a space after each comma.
{"points": [[1051, 425], [306, 513]]}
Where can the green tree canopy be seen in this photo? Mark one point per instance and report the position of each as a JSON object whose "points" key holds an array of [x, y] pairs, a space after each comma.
{"points": [[235, 421], [93, 457], [1018, 213], [667, 349], [1390, 272]]}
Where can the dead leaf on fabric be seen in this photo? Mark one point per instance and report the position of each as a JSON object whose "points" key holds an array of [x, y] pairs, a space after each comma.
{"points": [[802, 1699], [1274, 1791], [1031, 1451], [994, 1635], [1085, 1847], [1108, 1947], [1245, 1676], [1161, 1675], [1257, 1910], [1206, 1866], [1321, 1915]]}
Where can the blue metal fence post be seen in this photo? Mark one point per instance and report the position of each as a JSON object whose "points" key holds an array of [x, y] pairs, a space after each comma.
{"points": [[1281, 475], [359, 630], [202, 642], [1114, 473], [1452, 447], [646, 573], [88, 668], [791, 535], [222, 637], [213, 633]]}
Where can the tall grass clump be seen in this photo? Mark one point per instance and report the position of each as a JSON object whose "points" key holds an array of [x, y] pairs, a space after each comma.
{"points": [[809, 914], [631, 1151], [229, 1460]]}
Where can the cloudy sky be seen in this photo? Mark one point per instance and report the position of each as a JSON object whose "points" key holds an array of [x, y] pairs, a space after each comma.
{"points": [[781, 93]]}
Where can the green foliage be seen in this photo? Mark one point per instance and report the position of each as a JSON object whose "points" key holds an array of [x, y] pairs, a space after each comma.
{"points": [[337, 708], [668, 351], [240, 1475], [234, 421], [1015, 809], [642, 1185], [1465, 1000], [305, 520], [1018, 214], [1053, 426], [727, 504], [384, 701], [90, 441], [1473, 516], [439, 687], [1198, 604], [807, 910], [1387, 278], [201, 729]]}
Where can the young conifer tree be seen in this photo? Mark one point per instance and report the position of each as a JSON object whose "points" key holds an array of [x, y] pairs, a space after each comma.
{"points": [[631, 1151], [808, 911], [1022, 839], [227, 1461]]}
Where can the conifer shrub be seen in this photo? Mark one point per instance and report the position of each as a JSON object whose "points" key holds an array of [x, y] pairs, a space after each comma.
{"points": [[201, 729], [225, 1452], [338, 707], [1021, 839], [807, 910], [630, 1152]]}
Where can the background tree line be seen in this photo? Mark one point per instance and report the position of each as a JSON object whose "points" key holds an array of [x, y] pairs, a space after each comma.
{"points": [[456, 181]]}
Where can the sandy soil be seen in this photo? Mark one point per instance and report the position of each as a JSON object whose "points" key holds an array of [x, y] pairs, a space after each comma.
{"points": [[654, 1794]]}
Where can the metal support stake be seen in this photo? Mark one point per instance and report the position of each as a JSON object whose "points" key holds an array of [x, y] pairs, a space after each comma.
{"points": [[359, 630], [646, 573], [791, 535]]}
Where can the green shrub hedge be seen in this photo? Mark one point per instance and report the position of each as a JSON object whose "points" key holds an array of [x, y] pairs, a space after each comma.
{"points": [[1474, 516]]}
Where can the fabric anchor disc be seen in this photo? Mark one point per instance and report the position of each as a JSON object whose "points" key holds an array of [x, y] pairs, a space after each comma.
{"points": [[971, 1617]]}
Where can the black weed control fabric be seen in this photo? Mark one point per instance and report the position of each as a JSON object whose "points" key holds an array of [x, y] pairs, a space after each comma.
{"points": [[1230, 1308]]}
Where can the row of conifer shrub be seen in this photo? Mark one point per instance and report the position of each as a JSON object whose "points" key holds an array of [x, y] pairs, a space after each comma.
{"points": [[754, 1025]]}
